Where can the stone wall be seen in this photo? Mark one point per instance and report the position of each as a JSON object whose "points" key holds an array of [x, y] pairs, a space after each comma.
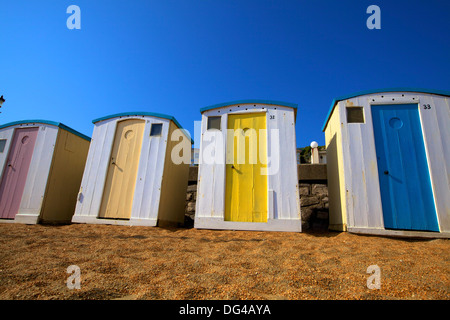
{"points": [[313, 192], [314, 205], [191, 197]]}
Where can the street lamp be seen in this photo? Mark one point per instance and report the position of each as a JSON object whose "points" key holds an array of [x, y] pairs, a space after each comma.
{"points": [[1, 101], [314, 152]]}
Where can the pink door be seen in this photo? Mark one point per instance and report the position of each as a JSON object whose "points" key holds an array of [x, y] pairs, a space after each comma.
{"points": [[16, 170]]}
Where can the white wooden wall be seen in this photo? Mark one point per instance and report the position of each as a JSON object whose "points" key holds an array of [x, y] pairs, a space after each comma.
{"points": [[150, 172], [436, 131], [363, 199], [285, 203], [5, 133], [148, 181], [33, 194]]}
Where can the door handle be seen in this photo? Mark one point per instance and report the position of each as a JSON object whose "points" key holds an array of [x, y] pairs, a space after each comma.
{"points": [[386, 172]]}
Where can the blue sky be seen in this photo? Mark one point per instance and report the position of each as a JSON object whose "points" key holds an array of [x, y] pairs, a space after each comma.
{"points": [[177, 56]]}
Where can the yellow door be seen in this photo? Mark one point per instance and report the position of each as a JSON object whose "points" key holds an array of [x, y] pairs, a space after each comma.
{"points": [[122, 171], [246, 187]]}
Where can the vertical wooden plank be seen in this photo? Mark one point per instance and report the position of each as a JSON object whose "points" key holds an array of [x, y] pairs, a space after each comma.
{"points": [[100, 163], [87, 187], [137, 211], [332, 131], [276, 178], [288, 168], [211, 176], [346, 172], [219, 171], [151, 171], [5, 134], [373, 198], [65, 177], [285, 202], [174, 183], [296, 214], [273, 156], [436, 132]]}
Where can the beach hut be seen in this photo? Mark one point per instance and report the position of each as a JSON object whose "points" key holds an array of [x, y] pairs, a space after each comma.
{"points": [[133, 173], [247, 176], [388, 159], [42, 164]]}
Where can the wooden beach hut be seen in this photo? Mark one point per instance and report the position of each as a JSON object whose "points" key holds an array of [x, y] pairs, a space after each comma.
{"points": [[247, 176], [388, 162], [130, 176], [42, 164]]}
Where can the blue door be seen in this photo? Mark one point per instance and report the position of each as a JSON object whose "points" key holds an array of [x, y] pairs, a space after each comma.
{"points": [[405, 185]]}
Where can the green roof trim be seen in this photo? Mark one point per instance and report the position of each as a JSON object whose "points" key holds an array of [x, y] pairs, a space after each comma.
{"points": [[362, 93], [273, 102], [143, 114], [53, 123]]}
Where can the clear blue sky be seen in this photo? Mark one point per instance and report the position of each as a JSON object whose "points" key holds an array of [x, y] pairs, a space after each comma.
{"points": [[177, 56]]}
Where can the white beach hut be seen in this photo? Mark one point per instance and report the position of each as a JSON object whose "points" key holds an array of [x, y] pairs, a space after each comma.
{"points": [[41, 165], [130, 177], [388, 156], [247, 176]]}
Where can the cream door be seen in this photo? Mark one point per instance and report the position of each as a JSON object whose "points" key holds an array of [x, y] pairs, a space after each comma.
{"points": [[122, 171]]}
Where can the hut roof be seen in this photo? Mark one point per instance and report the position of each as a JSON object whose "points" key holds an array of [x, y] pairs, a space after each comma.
{"points": [[53, 123], [361, 93]]}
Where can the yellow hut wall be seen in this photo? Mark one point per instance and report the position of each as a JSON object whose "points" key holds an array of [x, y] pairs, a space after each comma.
{"points": [[66, 171], [174, 184], [335, 173]]}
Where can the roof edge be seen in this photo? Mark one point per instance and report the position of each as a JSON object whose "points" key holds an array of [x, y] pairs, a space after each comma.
{"points": [[366, 92], [144, 113], [53, 123], [261, 101]]}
